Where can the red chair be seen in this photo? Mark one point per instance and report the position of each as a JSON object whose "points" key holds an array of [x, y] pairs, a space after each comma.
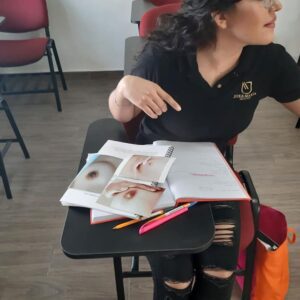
{"points": [[26, 16], [164, 2], [149, 19]]}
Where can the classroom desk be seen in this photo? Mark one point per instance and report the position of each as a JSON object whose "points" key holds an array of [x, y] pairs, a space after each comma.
{"points": [[133, 46], [138, 8], [189, 233]]}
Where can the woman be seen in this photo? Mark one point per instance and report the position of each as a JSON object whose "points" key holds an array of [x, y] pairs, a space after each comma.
{"points": [[200, 78]]}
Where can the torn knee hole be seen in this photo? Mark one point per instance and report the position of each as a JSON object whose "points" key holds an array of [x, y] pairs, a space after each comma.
{"points": [[224, 225], [218, 273], [224, 233], [178, 285]]}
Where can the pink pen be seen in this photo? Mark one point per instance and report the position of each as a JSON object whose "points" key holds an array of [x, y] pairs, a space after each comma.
{"points": [[151, 225]]}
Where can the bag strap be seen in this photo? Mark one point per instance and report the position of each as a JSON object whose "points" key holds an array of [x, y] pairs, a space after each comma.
{"points": [[270, 244], [291, 235]]}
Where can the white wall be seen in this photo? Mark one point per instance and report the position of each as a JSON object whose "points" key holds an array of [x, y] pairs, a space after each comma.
{"points": [[288, 27], [90, 34]]}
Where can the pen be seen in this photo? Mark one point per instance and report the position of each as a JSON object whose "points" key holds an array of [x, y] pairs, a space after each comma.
{"points": [[168, 213], [188, 205], [125, 224], [168, 216]]}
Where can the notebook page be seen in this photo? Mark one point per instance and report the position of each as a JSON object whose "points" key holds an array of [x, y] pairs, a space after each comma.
{"points": [[200, 171]]}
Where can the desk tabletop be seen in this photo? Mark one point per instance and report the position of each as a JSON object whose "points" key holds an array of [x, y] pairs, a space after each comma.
{"points": [[133, 46], [190, 233], [138, 8]]}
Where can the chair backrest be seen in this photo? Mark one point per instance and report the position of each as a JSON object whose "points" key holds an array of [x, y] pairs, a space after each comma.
{"points": [[149, 19], [23, 15], [164, 2]]}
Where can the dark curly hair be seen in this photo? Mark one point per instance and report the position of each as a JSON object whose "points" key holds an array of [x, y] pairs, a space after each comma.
{"points": [[191, 27]]}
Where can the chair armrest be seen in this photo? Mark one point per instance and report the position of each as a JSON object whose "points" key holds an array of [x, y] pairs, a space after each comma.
{"points": [[255, 203], [98, 133]]}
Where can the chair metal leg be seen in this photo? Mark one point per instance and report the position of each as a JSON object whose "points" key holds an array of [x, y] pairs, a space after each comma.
{"points": [[135, 264], [298, 124], [5, 178], [62, 77], [249, 269], [15, 128], [53, 77], [2, 84], [119, 278]]}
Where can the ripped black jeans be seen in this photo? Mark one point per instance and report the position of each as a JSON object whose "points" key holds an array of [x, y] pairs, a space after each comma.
{"points": [[189, 268]]}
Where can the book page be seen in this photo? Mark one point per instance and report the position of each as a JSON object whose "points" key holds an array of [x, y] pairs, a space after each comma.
{"points": [[166, 200], [89, 184], [201, 172], [91, 180], [90, 201], [123, 150], [130, 196], [145, 168]]}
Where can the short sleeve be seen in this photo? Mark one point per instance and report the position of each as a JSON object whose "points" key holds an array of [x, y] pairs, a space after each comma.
{"points": [[285, 86], [148, 65]]}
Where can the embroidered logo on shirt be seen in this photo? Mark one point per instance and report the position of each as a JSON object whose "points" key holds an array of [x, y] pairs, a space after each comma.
{"points": [[246, 91]]}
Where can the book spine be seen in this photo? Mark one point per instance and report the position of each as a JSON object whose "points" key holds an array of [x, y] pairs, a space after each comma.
{"points": [[170, 151]]}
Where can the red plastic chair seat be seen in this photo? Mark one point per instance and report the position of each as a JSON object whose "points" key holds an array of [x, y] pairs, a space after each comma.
{"points": [[149, 19], [15, 53]]}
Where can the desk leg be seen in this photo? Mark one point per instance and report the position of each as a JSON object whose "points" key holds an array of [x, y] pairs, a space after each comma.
{"points": [[119, 278]]}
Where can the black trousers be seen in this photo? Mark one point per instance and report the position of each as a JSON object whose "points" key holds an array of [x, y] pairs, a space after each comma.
{"points": [[222, 254]]}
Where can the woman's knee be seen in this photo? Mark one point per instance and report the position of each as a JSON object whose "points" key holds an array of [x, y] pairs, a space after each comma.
{"points": [[178, 285], [218, 273]]}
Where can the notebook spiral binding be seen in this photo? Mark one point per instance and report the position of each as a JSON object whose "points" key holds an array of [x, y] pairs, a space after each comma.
{"points": [[170, 151], [168, 154]]}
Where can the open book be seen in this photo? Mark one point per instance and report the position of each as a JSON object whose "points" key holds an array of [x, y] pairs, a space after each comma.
{"points": [[122, 179], [199, 173]]}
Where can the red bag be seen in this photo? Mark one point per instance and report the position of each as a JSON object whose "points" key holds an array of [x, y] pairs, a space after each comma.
{"points": [[271, 272]]}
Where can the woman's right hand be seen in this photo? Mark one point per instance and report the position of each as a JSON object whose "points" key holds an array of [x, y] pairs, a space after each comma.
{"points": [[146, 95]]}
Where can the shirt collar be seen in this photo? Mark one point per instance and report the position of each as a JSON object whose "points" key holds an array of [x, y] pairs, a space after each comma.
{"points": [[188, 63]]}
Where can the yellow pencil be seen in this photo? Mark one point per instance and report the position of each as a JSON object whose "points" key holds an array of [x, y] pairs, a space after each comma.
{"points": [[125, 224]]}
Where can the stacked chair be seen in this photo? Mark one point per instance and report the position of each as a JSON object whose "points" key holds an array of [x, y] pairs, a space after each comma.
{"points": [[27, 16], [22, 17]]}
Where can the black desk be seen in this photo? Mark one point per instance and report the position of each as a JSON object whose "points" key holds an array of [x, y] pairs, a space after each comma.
{"points": [[138, 8], [189, 233], [133, 47]]}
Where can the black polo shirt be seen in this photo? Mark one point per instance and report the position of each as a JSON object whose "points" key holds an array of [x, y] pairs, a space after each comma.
{"points": [[220, 112]]}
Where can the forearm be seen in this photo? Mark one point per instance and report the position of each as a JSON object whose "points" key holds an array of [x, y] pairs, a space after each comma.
{"points": [[294, 107], [120, 108]]}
